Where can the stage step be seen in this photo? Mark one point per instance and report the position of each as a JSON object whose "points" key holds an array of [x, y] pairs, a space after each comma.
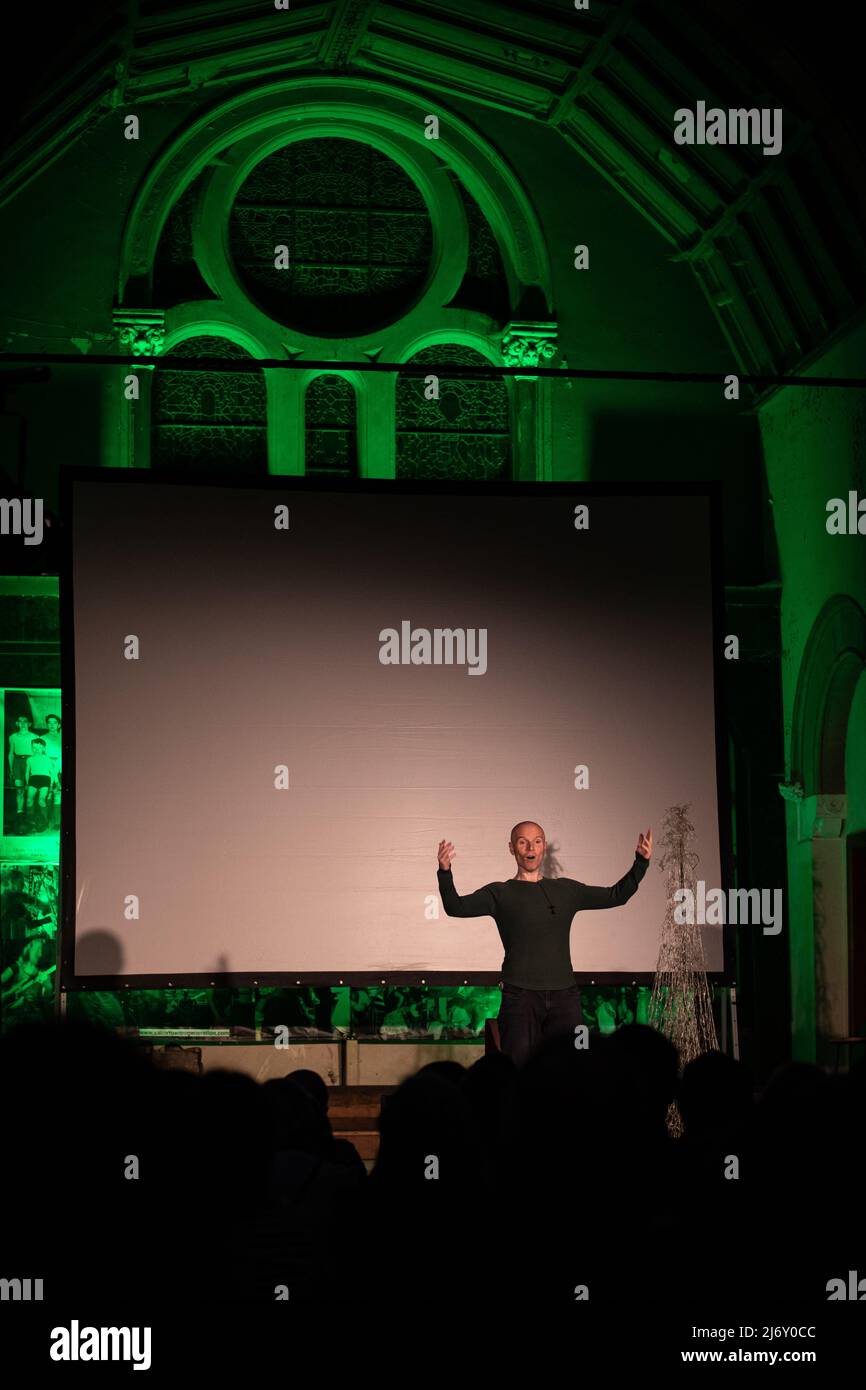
{"points": [[354, 1115]]}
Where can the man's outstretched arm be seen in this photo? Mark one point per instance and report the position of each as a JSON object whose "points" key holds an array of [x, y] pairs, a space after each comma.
{"points": [[588, 896], [479, 904]]}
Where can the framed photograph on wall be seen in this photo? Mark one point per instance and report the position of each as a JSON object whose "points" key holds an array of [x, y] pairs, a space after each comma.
{"points": [[29, 911], [30, 728]]}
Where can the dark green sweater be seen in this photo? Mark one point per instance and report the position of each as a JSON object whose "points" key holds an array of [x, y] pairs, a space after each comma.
{"points": [[536, 940]]}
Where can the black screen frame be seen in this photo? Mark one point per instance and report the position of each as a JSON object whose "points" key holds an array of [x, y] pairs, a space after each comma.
{"points": [[287, 484]]}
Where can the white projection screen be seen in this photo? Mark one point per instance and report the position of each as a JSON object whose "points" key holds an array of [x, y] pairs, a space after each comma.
{"points": [[257, 795]]}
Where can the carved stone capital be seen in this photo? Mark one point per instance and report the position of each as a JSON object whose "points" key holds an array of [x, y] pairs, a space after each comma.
{"points": [[528, 344], [140, 332]]}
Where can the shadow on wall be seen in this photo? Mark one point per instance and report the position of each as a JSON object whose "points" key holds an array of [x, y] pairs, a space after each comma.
{"points": [[655, 447], [98, 953], [552, 865]]}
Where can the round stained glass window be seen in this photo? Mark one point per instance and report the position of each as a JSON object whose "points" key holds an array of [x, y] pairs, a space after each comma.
{"points": [[356, 233]]}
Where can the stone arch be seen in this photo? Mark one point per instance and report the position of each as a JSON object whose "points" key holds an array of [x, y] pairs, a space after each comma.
{"points": [[225, 144], [833, 660], [303, 108]]}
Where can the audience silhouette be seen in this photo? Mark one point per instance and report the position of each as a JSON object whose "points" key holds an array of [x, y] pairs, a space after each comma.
{"points": [[553, 1182]]}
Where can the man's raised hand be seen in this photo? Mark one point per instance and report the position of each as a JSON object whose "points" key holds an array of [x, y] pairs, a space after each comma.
{"points": [[645, 844], [446, 854]]}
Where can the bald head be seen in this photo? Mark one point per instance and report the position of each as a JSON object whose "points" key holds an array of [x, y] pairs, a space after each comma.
{"points": [[526, 828]]}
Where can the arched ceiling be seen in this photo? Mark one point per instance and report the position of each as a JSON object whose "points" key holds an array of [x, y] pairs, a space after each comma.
{"points": [[777, 242]]}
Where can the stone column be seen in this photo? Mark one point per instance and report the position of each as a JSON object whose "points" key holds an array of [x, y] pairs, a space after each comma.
{"points": [[128, 424], [286, 420], [527, 344], [377, 425]]}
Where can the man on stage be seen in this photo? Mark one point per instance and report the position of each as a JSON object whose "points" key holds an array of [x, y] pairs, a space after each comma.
{"points": [[533, 915]]}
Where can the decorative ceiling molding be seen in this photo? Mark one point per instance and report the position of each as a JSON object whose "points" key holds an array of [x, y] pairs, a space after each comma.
{"points": [[346, 33], [778, 244]]}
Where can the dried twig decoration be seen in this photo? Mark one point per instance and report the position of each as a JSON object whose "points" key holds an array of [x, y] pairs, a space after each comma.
{"points": [[681, 1005]]}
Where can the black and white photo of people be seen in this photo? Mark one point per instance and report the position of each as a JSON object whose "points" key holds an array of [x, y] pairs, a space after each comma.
{"points": [[28, 937], [32, 782]]}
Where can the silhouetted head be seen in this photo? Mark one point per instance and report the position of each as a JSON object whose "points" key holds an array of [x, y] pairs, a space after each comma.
{"points": [[298, 1119], [451, 1071], [715, 1095], [315, 1086], [426, 1117], [654, 1063]]}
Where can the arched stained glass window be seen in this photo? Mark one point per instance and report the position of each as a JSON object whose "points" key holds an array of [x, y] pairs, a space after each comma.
{"points": [[211, 419], [331, 432], [465, 433]]}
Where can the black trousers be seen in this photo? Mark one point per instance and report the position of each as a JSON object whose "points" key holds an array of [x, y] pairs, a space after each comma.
{"points": [[528, 1015]]}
